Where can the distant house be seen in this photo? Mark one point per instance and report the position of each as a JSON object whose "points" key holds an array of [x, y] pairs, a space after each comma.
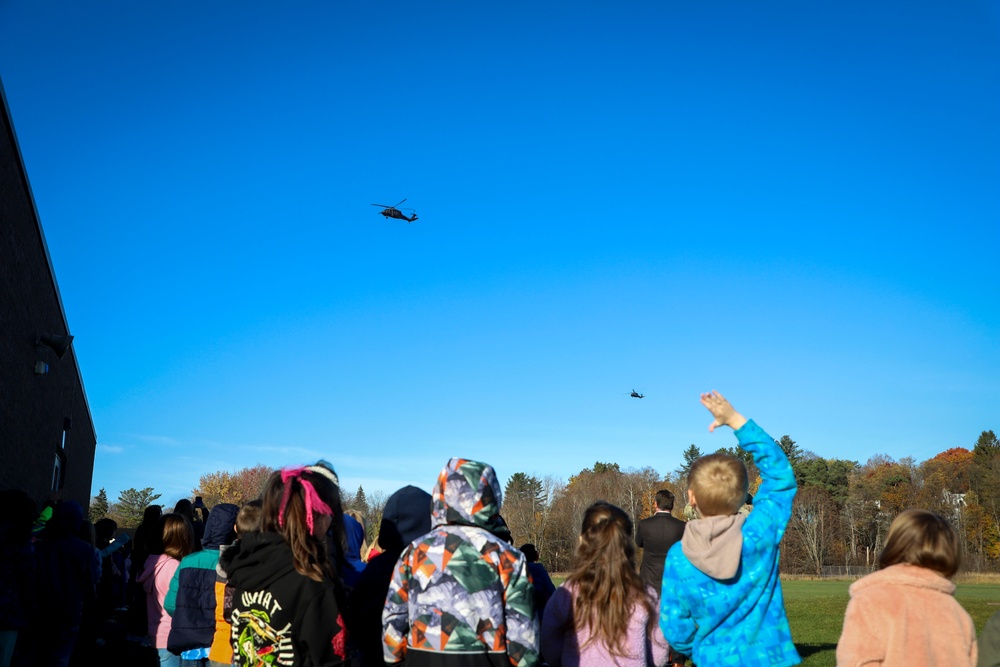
{"points": [[956, 501], [953, 499], [47, 438]]}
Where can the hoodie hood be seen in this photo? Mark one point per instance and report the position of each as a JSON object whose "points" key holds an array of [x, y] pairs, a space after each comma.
{"points": [[220, 527], [353, 564], [467, 493], [714, 545], [355, 534], [259, 561], [407, 516]]}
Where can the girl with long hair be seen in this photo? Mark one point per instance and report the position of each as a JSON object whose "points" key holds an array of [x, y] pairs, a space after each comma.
{"points": [[167, 546], [286, 596], [603, 614]]}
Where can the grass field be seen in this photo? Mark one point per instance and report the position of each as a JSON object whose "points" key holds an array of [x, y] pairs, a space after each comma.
{"points": [[816, 612]]}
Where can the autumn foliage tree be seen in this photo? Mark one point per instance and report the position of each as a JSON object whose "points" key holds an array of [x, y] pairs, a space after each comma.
{"points": [[238, 487], [943, 476]]}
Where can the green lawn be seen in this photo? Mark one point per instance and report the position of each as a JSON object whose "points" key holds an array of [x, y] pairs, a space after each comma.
{"points": [[816, 613]]}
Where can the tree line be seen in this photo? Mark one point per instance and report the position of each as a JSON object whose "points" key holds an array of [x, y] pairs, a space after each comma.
{"points": [[839, 519]]}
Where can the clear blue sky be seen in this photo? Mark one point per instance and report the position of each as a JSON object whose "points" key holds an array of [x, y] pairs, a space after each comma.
{"points": [[795, 203]]}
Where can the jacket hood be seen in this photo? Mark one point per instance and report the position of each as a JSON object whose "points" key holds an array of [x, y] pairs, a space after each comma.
{"points": [[260, 560], [355, 534], [714, 545], [407, 516], [904, 574], [220, 527], [153, 563], [353, 564], [467, 493]]}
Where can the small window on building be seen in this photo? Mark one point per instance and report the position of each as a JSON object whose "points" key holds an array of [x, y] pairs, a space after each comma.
{"points": [[67, 425], [57, 473]]}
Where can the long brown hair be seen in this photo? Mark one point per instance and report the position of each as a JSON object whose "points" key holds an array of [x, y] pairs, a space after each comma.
{"points": [[284, 511], [607, 588], [177, 535]]}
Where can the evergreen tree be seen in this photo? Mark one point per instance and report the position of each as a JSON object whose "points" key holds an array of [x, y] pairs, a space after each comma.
{"points": [[131, 505], [986, 472], [360, 502], [524, 502], [524, 488], [987, 447], [738, 452], [831, 475], [791, 450], [600, 467], [99, 506], [691, 454]]}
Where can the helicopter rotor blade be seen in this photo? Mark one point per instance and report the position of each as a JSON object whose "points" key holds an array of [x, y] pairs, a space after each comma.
{"points": [[400, 202], [382, 205]]}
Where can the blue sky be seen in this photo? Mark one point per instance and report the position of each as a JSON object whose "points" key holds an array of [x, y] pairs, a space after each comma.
{"points": [[795, 203]]}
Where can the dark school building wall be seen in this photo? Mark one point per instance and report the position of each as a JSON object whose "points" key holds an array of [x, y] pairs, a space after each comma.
{"points": [[47, 438]]}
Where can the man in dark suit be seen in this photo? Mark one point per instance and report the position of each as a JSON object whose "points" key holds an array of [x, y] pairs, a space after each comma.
{"points": [[656, 535]]}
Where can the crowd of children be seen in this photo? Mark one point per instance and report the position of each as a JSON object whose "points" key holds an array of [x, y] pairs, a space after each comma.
{"points": [[290, 579]]}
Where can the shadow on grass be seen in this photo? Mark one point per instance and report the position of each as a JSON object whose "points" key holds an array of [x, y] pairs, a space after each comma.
{"points": [[806, 650]]}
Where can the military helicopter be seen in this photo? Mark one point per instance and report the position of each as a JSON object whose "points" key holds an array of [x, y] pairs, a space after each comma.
{"points": [[636, 394], [393, 212]]}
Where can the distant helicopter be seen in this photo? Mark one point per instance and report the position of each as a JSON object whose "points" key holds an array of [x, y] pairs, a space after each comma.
{"points": [[393, 212], [636, 394]]}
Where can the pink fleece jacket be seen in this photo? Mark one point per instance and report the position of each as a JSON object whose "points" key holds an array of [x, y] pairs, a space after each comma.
{"points": [[155, 580], [906, 615]]}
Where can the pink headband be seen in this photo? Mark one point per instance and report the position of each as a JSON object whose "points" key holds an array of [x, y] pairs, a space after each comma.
{"points": [[313, 502]]}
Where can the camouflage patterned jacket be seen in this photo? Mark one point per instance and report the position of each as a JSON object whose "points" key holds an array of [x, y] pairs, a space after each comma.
{"points": [[460, 595]]}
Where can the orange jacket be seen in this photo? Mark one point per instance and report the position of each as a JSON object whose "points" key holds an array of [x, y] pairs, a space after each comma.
{"points": [[222, 644]]}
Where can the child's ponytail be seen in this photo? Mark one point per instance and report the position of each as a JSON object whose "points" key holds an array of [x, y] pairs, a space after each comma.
{"points": [[293, 500]]}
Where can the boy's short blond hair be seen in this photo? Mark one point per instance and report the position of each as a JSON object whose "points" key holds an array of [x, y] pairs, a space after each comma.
{"points": [[719, 483]]}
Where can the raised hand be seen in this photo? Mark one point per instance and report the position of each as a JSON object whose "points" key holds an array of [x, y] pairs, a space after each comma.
{"points": [[723, 411]]}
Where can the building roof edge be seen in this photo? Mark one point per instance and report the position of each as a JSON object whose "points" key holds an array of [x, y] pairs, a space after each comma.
{"points": [[45, 246]]}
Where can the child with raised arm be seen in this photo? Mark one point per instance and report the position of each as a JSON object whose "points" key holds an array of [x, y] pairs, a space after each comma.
{"points": [[721, 600]]}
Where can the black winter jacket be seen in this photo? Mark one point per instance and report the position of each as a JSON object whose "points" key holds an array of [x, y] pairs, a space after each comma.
{"points": [[278, 610]]}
